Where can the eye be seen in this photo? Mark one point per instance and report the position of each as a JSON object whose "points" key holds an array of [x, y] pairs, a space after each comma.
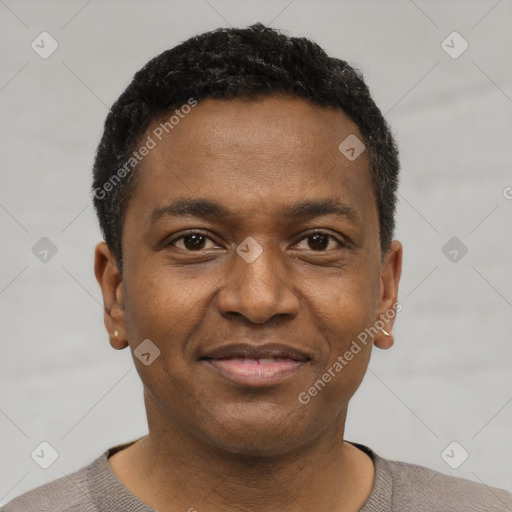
{"points": [[193, 241], [319, 241]]}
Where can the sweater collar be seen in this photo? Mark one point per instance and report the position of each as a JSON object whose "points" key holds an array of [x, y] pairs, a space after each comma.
{"points": [[109, 493]]}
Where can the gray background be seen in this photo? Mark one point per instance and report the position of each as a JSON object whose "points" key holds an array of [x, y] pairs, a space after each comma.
{"points": [[448, 378]]}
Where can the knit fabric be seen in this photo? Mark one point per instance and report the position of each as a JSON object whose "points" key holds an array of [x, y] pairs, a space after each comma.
{"points": [[398, 487]]}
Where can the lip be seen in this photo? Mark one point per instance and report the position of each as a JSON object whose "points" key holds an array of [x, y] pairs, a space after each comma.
{"points": [[256, 366], [251, 351]]}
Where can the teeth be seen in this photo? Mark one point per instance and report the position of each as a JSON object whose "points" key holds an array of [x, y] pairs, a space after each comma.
{"points": [[268, 360]]}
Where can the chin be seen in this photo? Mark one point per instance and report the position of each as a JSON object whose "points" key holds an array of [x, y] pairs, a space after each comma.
{"points": [[258, 438]]}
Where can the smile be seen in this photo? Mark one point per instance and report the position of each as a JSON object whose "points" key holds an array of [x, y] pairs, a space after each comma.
{"points": [[256, 372]]}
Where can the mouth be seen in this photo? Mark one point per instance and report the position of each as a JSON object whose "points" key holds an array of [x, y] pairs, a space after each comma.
{"points": [[256, 366]]}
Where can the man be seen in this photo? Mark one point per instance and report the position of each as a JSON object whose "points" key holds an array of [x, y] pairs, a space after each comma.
{"points": [[245, 186]]}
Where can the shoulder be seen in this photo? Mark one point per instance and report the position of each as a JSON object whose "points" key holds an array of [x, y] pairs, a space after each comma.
{"points": [[419, 488], [404, 487], [69, 493]]}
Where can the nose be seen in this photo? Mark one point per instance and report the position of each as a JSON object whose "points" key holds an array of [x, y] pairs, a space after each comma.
{"points": [[258, 289]]}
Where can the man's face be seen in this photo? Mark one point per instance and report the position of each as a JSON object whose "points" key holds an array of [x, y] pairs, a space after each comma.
{"points": [[198, 283]]}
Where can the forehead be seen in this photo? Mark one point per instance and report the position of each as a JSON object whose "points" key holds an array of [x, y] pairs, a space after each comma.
{"points": [[253, 156], [223, 128]]}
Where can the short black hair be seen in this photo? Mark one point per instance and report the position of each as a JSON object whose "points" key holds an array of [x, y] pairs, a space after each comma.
{"points": [[230, 63]]}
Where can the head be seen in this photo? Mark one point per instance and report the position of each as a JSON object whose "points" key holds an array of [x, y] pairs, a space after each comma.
{"points": [[245, 186]]}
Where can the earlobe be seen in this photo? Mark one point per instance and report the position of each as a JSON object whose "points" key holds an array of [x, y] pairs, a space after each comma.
{"points": [[384, 340], [110, 282], [116, 342]]}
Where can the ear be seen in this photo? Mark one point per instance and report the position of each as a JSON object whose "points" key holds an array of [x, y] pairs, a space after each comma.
{"points": [[111, 283], [391, 270]]}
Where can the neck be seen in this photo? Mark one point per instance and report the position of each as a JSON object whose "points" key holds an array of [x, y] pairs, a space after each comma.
{"points": [[171, 470]]}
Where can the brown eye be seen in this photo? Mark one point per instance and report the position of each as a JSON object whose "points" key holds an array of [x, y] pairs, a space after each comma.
{"points": [[191, 242], [320, 241]]}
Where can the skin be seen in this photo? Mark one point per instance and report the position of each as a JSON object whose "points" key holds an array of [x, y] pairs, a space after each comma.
{"points": [[213, 445]]}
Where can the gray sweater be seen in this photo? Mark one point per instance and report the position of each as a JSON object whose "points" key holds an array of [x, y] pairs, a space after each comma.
{"points": [[398, 487]]}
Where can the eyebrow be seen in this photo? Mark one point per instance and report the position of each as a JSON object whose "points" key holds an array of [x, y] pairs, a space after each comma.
{"points": [[206, 208]]}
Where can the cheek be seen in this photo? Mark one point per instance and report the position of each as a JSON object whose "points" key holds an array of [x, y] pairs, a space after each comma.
{"points": [[345, 305], [161, 305], [347, 351], [167, 309], [345, 310], [159, 309]]}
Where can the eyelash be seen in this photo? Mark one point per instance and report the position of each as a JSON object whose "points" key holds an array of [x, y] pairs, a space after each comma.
{"points": [[342, 245]]}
